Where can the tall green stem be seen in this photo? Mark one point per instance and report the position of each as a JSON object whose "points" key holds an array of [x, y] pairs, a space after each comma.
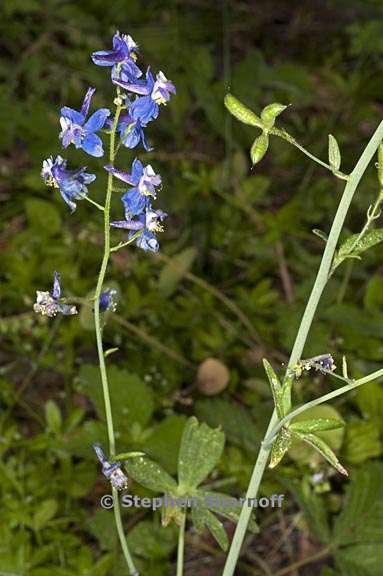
{"points": [[181, 545], [100, 350], [312, 304]]}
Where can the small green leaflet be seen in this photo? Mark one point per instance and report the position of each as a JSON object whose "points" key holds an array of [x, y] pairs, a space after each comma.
{"points": [[323, 448], [270, 113], [334, 156], [280, 446], [316, 425], [241, 112], [259, 148]]}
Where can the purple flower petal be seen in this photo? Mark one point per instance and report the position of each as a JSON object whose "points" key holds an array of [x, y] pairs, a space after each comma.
{"points": [[87, 100], [56, 292], [72, 115]]}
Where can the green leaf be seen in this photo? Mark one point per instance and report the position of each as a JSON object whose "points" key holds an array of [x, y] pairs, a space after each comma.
{"points": [[334, 156], [352, 249], [234, 419], [276, 388], [259, 148], [362, 441], [43, 216], [202, 517], [164, 441], [323, 449], [241, 112], [150, 540], [44, 514], [200, 451], [173, 272], [358, 530], [316, 425], [53, 416], [131, 398], [280, 446], [270, 113], [151, 475]]}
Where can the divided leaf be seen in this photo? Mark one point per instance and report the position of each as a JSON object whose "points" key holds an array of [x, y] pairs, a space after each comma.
{"points": [[241, 112], [200, 451], [151, 475], [334, 156]]}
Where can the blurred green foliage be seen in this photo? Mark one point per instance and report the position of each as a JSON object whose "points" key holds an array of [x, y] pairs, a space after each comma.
{"points": [[238, 260]]}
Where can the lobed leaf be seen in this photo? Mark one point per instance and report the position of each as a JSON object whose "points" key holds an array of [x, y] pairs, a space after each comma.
{"points": [[151, 475]]}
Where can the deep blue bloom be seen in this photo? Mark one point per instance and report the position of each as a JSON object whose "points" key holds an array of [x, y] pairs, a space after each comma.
{"points": [[81, 132], [149, 223], [122, 59], [48, 303], [131, 131], [71, 183], [107, 300], [144, 182], [154, 92]]}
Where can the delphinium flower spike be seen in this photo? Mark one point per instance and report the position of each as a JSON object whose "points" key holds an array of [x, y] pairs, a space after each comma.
{"points": [[72, 184], [111, 470], [81, 132], [48, 303]]}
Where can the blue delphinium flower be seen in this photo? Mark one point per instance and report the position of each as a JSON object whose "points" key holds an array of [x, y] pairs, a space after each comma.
{"points": [[154, 92], [48, 303], [111, 470], [148, 222], [122, 59], [131, 131], [71, 183], [81, 132], [107, 300], [144, 182]]}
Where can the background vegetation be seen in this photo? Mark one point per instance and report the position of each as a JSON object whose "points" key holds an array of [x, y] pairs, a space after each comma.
{"points": [[237, 262]]}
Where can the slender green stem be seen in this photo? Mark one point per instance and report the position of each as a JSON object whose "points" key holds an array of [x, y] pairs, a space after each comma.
{"points": [[123, 244], [181, 545], [312, 304], [100, 350], [286, 136], [268, 441], [94, 203]]}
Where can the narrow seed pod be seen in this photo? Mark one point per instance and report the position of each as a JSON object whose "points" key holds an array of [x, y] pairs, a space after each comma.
{"points": [[241, 112]]}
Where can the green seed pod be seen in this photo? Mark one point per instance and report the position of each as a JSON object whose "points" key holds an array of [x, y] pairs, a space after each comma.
{"points": [[241, 112], [259, 148], [334, 156], [270, 112]]}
